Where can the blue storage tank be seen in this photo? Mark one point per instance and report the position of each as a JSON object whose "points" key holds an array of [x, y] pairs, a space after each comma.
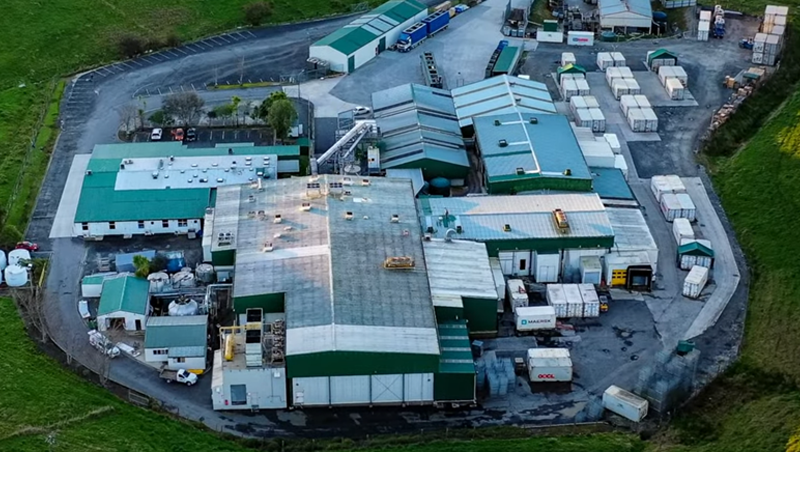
{"points": [[440, 186], [659, 16]]}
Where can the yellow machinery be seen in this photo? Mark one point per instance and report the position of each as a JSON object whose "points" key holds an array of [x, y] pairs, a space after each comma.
{"points": [[228, 334], [399, 263], [561, 220]]}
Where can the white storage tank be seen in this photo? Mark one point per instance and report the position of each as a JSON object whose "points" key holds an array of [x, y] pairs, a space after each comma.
{"points": [[695, 282], [517, 294], [183, 306], [583, 87], [567, 58], [3, 261], [591, 101], [16, 275], [682, 230], [591, 302], [650, 120], [604, 61], [613, 141], [619, 88], [626, 103], [557, 299], [574, 300], [591, 270], [598, 120], [636, 120], [621, 164], [619, 59], [158, 281], [674, 89], [670, 206], [205, 273], [633, 86], [625, 404], [17, 255], [530, 319], [688, 209], [183, 279], [549, 365]]}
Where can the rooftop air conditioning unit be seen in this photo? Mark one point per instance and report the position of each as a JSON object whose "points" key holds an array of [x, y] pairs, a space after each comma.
{"points": [[395, 218], [502, 143], [348, 215], [277, 219], [305, 206], [268, 247], [365, 182]]}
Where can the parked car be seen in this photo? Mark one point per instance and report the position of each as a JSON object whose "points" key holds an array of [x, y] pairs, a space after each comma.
{"points": [[156, 134], [182, 376], [191, 135], [177, 134], [361, 110], [27, 245]]}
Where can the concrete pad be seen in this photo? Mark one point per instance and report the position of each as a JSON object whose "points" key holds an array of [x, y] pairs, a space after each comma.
{"points": [[657, 94], [65, 215], [318, 92]]}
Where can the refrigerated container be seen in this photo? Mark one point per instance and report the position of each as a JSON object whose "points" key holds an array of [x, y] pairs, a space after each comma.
{"points": [[591, 101], [642, 101], [682, 230], [574, 300], [583, 87], [695, 282], [633, 86], [604, 61], [549, 365], [660, 184], [619, 59], [650, 120], [591, 302], [626, 103], [577, 102], [619, 87], [613, 74], [582, 116], [670, 206], [624, 403], [567, 58], [569, 88], [636, 120], [688, 209], [557, 299], [528, 319], [570, 76], [517, 294], [598, 120], [674, 89]]}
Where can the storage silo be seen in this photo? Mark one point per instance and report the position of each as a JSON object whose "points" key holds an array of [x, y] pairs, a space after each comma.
{"points": [[205, 273], [158, 281], [15, 256], [16, 275], [183, 306]]}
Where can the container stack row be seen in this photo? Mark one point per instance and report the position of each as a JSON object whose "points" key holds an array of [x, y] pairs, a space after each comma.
{"points": [[622, 82], [695, 281], [639, 113], [497, 373], [586, 112], [607, 60], [675, 206], [704, 26], [768, 42], [573, 84], [675, 81], [573, 300]]}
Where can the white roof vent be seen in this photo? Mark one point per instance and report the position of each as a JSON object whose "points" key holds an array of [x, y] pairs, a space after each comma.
{"points": [[305, 206], [348, 215], [267, 247], [277, 219], [251, 199], [395, 218], [155, 174], [365, 182], [220, 179]]}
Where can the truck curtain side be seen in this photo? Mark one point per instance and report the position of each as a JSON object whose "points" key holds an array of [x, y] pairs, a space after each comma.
{"points": [[416, 34]]}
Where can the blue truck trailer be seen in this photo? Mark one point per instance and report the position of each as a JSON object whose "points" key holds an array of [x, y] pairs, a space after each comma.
{"points": [[417, 33]]}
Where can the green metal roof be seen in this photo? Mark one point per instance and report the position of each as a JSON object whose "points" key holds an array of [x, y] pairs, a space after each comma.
{"points": [[571, 68], [695, 248], [508, 59], [176, 332], [124, 293], [117, 152], [610, 183], [370, 26], [662, 54], [455, 347], [95, 279]]}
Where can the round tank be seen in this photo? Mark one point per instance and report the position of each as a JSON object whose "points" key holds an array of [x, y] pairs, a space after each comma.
{"points": [[183, 307], [205, 273], [608, 36], [16, 275], [158, 281], [440, 186], [183, 279], [14, 256], [351, 170], [3, 261]]}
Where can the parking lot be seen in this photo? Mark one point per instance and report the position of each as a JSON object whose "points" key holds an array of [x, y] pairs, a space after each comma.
{"points": [[210, 137]]}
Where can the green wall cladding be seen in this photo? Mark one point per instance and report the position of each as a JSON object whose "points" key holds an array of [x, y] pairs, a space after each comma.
{"points": [[223, 257], [333, 363], [453, 387], [448, 314], [481, 314], [547, 244], [518, 184], [270, 303]]}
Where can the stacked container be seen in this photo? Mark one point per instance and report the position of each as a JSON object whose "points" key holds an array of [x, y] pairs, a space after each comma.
{"points": [[678, 72], [682, 230], [650, 120], [619, 87], [591, 101], [605, 61], [598, 120], [621, 164], [569, 76], [675, 89], [567, 58], [517, 294], [569, 89], [689, 261], [529, 319], [670, 206], [768, 43], [704, 26], [637, 120], [591, 302], [619, 59], [572, 293], [582, 86], [688, 209], [633, 86], [642, 101], [662, 184], [695, 282], [617, 72], [613, 141], [557, 299], [626, 103]]}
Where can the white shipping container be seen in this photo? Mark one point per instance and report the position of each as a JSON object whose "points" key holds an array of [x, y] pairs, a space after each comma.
{"points": [[583, 118], [665, 72], [625, 72], [674, 89], [619, 59], [660, 184], [682, 229], [549, 365], [670, 206], [642, 101], [688, 209], [567, 58], [604, 60], [517, 294], [621, 164], [598, 120], [759, 40], [636, 120], [591, 302], [574, 300], [633, 86], [570, 76], [530, 319], [695, 282], [619, 88], [680, 74], [650, 120], [705, 15], [625, 404], [758, 58], [591, 101], [583, 87], [597, 154], [591, 270], [557, 299], [627, 102], [772, 44], [577, 102], [580, 38], [569, 89], [613, 141], [612, 74], [703, 31]]}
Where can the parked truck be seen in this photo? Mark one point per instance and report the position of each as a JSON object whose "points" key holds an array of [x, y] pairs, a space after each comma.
{"points": [[103, 344], [428, 27], [182, 376]]}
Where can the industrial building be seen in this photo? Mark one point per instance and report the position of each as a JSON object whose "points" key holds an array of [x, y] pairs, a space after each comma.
{"points": [[632, 262], [124, 303], [347, 316], [177, 342], [543, 236], [354, 45], [626, 15], [165, 188], [528, 152], [419, 130]]}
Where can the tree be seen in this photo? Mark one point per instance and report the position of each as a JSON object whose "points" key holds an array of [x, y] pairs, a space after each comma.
{"points": [[160, 118], [223, 111], [127, 117], [262, 111], [281, 117], [235, 101], [142, 265], [186, 107], [256, 12]]}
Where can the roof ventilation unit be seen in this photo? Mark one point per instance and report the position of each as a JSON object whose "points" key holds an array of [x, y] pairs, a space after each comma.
{"points": [[155, 174], [520, 171], [268, 247], [497, 123], [502, 143], [348, 215], [534, 120], [251, 199], [365, 182], [506, 228], [561, 220], [567, 172], [395, 218], [305, 206], [277, 219], [347, 181], [88, 172]]}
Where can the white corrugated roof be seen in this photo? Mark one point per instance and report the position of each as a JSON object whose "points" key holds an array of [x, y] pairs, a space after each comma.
{"points": [[459, 269], [358, 338]]}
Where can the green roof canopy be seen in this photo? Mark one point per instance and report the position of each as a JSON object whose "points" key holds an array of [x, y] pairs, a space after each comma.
{"points": [[571, 68], [661, 54], [695, 248], [125, 293]]}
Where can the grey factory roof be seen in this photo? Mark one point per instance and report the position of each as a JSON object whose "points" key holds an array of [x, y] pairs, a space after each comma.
{"points": [[499, 95], [329, 265], [631, 232], [418, 123], [483, 218], [175, 332], [540, 144], [638, 7], [414, 174], [459, 269]]}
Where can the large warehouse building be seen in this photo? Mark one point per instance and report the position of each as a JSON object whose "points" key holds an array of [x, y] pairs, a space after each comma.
{"points": [[354, 45], [626, 15]]}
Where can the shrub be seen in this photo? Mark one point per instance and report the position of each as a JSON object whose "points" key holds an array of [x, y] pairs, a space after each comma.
{"points": [[172, 40], [255, 13], [130, 45]]}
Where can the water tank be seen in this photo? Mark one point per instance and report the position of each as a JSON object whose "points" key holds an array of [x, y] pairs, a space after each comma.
{"points": [[16, 275], [659, 16], [440, 186], [183, 279], [352, 170], [183, 307], [608, 36], [3, 261], [158, 281], [205, 273], [14, 256]]}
